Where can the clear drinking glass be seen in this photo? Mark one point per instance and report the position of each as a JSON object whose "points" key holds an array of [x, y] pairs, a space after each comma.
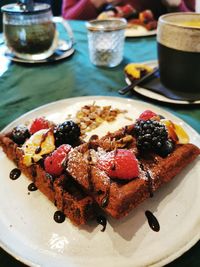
{"points": [[32, 34], [106, 41]]}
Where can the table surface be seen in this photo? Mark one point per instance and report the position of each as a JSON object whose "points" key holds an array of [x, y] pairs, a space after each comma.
{"points": [[24, 87]]}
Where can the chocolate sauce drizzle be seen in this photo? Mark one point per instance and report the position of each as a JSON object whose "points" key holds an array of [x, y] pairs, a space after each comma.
{"points": [[113, 166], [62, 197], [150, 184], [32, 187], [59, 216], [105, 200], [153, 222], [39, 148], [51, 179], [102, 221], [149, 179], [33, 172], [89, 158], [15, 174], [125, 129]]}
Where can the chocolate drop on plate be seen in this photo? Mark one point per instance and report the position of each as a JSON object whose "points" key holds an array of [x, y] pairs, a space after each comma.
{"points": [[153, 222], [59, 216], [32, 187], [103, 221], [14, 174]]}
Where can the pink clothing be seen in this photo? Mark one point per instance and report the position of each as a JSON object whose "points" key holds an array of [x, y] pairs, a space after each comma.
{"points": [[85, 10], [188, 5], [79, 9]]}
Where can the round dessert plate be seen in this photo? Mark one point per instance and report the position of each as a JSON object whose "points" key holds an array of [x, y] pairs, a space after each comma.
{"points": [[33, 237], [139, 31], [154, 95]]}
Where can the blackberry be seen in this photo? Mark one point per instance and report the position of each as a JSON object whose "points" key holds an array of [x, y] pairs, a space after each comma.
{"points": [[20, 134], [67, 132], [150, 135], [166, 148]]}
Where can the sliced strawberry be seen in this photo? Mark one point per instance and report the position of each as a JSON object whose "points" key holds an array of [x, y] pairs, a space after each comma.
{"points": [[55, 163], [39, 124], [119, 164], [147, 115]]}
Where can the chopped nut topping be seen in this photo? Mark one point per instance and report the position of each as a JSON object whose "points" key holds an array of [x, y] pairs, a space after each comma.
{"points": [[90, 117]]}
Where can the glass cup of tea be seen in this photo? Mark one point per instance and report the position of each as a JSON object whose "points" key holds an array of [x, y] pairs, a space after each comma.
{"points": [[178, 44], [31, 34], [106, 41]]}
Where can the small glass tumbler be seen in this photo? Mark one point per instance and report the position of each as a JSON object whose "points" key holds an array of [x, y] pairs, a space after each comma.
{"points": [[106, 41]]}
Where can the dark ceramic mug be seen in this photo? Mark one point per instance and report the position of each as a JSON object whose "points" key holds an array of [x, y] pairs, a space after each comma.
{"points": [[178, 42]]}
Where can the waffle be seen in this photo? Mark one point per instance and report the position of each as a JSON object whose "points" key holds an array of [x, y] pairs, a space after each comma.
{"points": [[83, 188], [64, 192], [117, 198]]}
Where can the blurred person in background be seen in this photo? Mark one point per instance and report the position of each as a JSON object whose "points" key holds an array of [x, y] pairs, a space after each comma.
{"points": [[90, 9]]}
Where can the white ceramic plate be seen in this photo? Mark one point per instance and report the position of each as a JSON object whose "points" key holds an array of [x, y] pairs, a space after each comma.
{"points": [[156, 96], [139, 31], [29, 232]]}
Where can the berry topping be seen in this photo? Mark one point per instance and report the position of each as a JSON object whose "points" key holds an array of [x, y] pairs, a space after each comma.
{"points": [[147, 115], [152, 135], [40, 143], [55, 163], [20, 134], [119, 164], [39, 124], [166, 148], [67, 133]]}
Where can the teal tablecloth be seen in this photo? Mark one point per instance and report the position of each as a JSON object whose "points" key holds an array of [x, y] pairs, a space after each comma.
{"points": [[25, 87]]}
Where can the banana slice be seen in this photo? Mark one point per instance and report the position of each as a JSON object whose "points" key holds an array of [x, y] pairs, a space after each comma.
{"points": [[39, 144], [176, 132], [183, 137]]}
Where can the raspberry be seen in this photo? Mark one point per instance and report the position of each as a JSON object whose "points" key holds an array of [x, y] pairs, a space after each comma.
{"points": [[147, 115], [55, 163], [39, 124], [119, 164]]}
